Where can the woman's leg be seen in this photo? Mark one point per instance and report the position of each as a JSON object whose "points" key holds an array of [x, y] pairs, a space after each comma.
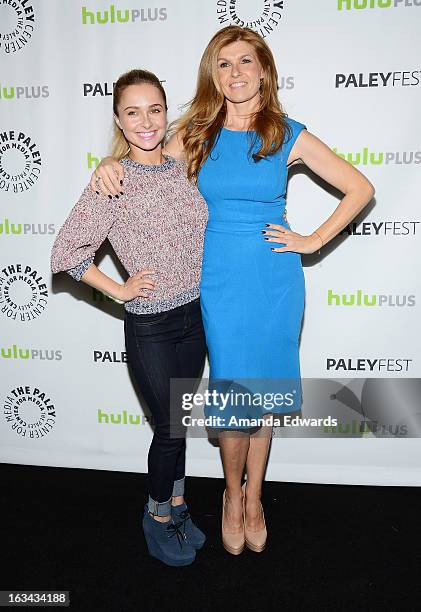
{"points": [[191, 353], [255, 468], [234, 447], [151, 347]]}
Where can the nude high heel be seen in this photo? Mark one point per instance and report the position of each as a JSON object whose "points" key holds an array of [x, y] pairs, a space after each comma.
{"points": [[255, 540], [232, 542]]}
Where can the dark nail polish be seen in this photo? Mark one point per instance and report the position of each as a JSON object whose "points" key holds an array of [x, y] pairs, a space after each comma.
{"points": [[117, 196], [121, 192], [121, 182], [263, 232], [267, 224], [266, 238], [97, 192], [111, 197]]}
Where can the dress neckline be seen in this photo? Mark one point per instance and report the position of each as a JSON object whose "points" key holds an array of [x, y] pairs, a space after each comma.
{"points": [[238, 131], [168, 163]]}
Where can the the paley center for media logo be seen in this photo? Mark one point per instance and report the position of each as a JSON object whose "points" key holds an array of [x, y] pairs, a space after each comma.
{"points": [[23, 292], [29, 411], [20, 161], [17, 24], [263, 17]]}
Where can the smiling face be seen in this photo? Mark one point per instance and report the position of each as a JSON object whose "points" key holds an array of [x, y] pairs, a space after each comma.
{"points": [[142, 116], [239, 72]]}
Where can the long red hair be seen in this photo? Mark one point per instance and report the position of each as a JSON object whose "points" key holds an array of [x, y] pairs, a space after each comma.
{"points": [[205, 115]]}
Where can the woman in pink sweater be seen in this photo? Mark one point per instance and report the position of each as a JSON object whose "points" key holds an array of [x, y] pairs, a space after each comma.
{"points": [[156, 229]]}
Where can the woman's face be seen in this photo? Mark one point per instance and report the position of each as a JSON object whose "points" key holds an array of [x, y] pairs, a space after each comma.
{"points": [[239, 72], [142, 116]]}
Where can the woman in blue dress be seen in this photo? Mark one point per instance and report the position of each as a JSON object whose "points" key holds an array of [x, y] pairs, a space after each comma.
{"points": [[238, 144]]}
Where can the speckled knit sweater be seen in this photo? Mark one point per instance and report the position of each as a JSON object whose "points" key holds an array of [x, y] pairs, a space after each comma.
{"points": [[158, 223]]}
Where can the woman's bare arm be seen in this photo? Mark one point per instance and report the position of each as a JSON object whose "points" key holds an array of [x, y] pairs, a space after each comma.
{"points": [[341, 174], [134, 287], [174, 146]]}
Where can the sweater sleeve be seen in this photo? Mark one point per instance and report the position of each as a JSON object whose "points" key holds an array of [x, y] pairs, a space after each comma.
{"points": [[83, 232]]}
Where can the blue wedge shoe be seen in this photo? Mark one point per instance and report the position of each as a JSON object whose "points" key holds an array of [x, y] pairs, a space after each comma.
{"points": [[167, 541], [194, 536]]}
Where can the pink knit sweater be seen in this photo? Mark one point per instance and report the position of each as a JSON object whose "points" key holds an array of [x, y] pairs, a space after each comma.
{"points": [[158, 223]]}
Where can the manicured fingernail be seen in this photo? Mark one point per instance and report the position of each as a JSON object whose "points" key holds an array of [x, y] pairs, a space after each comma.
{"points": [[121, 182], [117, 196], [272, 249], [97, 192], [266, 238], [111, 197], [263, 232], [267, 224], [121, 192]]}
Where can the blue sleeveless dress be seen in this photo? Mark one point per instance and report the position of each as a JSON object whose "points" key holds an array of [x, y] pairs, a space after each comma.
{"points": [[252, 298]]}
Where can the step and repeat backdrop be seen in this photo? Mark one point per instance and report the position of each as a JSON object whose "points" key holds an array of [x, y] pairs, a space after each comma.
{"points": [[349, 70]]}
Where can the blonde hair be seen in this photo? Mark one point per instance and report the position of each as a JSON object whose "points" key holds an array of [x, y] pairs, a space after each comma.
{"points": [[206, 112], [120, 147]]}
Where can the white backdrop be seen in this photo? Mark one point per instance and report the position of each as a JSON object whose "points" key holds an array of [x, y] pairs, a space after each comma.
{"points": [[349, 70]]}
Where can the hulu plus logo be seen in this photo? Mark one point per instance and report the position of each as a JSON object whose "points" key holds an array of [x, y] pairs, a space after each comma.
{"points": [[114, 15], [359, 298], [347, 5], [29, 92], [15, 352], [365, 157], [122, 418], [8, 228]]}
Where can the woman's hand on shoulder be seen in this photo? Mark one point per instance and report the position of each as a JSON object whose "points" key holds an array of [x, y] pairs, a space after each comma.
{"points": [[108, 178]]}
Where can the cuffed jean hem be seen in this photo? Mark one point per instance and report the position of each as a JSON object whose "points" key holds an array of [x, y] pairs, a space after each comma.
{"points": [[178, 488], [159, 508]]}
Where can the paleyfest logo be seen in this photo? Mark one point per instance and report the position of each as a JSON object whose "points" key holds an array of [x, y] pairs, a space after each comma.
{"points": [[17, 22], [382, 228], [23, 293], [29, 411], [397, 78], [20, 162], [262, 16]]}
